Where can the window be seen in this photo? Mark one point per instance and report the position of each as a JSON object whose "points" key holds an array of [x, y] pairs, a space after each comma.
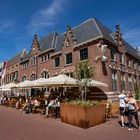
{"points": [[23, 78], [130, 82], [67, 43], [24, 65], [113, 54], [135, 66], [15, 76], [114, 80], [122, 59], [69, 58], [84, 54], [122, 81], [45, 74], [33, 77], [45, 58], [57, 62], [48, 56], [32, 61], [42, 59], [130, 63], [7, 78]]}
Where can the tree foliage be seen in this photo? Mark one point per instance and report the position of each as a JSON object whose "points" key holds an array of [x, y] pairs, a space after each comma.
{"points": [[137, 91], [84, 71]]}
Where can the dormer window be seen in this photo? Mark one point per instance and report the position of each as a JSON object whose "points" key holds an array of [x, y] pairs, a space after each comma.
{"points": [[32, 61], [24, 65]]}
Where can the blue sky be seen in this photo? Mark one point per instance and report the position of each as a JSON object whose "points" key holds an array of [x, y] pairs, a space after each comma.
{"points": [[20, 19]]}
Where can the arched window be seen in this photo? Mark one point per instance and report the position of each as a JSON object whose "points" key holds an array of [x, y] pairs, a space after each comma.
{"points": [[33, 77], [45, 74], [23, 78]]}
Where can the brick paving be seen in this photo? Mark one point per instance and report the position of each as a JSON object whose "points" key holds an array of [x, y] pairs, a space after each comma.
{"points": [[14, 125]]}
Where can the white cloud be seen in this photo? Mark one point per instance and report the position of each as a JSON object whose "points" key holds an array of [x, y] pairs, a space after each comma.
{"points": [[48, 16]]}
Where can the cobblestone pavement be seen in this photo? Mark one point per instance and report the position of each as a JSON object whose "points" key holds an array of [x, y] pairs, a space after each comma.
{"points": [[14, 125]]}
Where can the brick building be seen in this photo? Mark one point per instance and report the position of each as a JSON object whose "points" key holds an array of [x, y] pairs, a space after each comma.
{"points": [[3, 66], [115, 61], [12, 69]]}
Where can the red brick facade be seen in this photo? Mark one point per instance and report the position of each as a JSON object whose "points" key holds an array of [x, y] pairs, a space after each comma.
{"points": [[120, 71]]}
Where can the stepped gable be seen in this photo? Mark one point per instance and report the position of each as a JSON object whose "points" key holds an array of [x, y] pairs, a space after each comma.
{"points": [[44, 44], [17, 57]]}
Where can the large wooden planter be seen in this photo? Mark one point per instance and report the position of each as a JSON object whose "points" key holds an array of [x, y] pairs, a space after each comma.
{"points": [[138, 103], [82, 116]]}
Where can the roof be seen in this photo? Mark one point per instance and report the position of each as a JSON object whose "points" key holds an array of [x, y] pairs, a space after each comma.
{"points": [[17, 57], [130, 50], [25, 58], [48, 41], [90, 29]]}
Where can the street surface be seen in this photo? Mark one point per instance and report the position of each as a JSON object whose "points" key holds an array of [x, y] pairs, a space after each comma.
{"points": [[14, 125]]}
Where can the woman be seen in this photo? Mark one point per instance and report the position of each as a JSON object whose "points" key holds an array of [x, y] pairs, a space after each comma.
{"points": [[132, 111]]}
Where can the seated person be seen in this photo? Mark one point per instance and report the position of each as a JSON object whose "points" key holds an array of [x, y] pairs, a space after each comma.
{"points": [[51, 104], [36, 103], [17, 104], [57, 103], [25, 104]]}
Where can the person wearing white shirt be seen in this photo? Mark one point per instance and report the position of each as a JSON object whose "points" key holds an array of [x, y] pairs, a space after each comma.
{"points": [[122, 106]]}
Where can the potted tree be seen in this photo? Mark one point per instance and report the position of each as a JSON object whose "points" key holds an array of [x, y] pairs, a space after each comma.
{"points": [[83, 113], [137, 94]]}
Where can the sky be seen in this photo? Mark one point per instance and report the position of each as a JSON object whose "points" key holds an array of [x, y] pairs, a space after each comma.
{"points": [[21, 19]]}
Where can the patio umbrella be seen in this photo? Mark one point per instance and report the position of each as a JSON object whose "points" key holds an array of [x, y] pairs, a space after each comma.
{"points": [[25, 84], [39, 82], [5, 89], [8, 86], [94, 83], [60, 80]]}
